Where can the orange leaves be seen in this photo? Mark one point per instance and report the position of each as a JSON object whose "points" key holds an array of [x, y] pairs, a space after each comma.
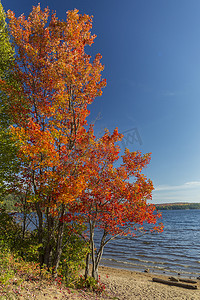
{"points": [[78, 30], [61, 159], [57, 80], [51, 61], [36, 145]]}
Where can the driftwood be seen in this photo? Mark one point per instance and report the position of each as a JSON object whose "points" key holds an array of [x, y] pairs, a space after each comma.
{"points": [[182, 280], [173, 279], [179, 284], [188, 280]]}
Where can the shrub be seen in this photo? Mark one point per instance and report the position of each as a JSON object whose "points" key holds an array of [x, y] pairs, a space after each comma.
{"points": [[90, 284], [74, 253]]}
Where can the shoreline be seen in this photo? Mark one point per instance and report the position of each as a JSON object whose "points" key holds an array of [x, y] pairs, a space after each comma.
{"points": [[125, 284], [152, 269]]}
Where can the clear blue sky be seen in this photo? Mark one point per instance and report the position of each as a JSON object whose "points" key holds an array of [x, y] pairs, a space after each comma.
{"points": [[151, 53]]}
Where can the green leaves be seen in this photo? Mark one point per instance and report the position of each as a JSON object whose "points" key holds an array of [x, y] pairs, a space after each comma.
{"points": [[8, 159], [6, 50]]}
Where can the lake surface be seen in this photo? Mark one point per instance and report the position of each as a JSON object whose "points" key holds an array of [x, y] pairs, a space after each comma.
{"points": [[176, 250]]}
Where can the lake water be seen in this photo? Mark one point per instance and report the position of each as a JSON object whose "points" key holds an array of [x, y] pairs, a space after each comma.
{"points": [[176, 250]]}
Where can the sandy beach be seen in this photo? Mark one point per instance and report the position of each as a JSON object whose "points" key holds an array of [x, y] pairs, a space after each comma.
{"points": [[136, 285], [120, 285], [127, 285]]}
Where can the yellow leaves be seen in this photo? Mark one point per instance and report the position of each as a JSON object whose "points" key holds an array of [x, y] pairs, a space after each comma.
{"points": [[33, 199], [65, 198], [38, 18]]}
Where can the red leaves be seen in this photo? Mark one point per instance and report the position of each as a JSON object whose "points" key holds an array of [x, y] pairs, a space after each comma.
{"points": [[111, 200], [62, 162], [134, 162]]}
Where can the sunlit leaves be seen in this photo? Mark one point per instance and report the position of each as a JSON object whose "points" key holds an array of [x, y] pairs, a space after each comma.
{"points": [[57, 82], [65, 170], [116, 198], [8, 159]]}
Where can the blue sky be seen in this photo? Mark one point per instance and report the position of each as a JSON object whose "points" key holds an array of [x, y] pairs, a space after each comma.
{"points": [[151, 53]]}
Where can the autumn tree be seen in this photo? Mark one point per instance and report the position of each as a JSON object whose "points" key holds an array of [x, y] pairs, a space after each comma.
{"points": [[66, 173], [115, 200], [57, 81], [8, 159]]}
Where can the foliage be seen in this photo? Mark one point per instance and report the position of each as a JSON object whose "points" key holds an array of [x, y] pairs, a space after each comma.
{"points": [[115, 200], [6, 50], [11, 234], [14, 271], [12, 265], [75, 249], [8, 201], [6, 270], [49, 110], [9, 230], [90, 284], [66, 175], [8, 160]]}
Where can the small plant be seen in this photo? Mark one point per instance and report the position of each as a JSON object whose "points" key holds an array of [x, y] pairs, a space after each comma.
{"points": [[6, 259], [90, 284]]}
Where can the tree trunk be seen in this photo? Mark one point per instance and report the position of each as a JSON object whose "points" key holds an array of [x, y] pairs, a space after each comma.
{"points": [[87, 265], [24, 212], [48, 246], [59, 243], [95, 273], [40, 233], [93, 256], [97, 261], [98, 257]]}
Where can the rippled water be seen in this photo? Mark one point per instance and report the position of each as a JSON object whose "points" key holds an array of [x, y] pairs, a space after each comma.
{"points": [[176, 250]]}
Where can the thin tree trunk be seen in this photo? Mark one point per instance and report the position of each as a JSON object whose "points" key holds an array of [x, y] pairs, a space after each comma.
{"points": [[48, 247], [40, 233], [25, 213], [24, 217], [94, 269], [40, 220], [87, 265], [59, 242], [101, 248], [98, 257]]}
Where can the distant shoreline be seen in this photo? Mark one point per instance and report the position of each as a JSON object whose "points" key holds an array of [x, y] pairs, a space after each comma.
{"points": [[177, 206]]}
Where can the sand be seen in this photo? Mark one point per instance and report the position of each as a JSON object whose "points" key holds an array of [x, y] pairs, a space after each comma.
{"points": [[120, 284], [136, 285]]}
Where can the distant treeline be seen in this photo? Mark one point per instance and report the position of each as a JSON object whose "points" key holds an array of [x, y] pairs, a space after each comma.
{"points": [[167, 206]]}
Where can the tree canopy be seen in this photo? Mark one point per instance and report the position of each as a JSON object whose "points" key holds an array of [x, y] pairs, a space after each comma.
{"points": [[66, 174]]}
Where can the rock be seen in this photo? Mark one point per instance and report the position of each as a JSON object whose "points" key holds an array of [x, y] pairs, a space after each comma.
{"points": [[146, 271]]}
